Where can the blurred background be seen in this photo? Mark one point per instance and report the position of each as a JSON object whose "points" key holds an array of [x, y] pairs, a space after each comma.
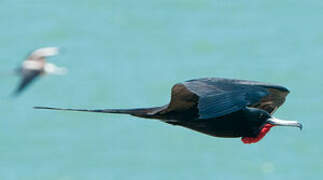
{"points": [[124, 54]]}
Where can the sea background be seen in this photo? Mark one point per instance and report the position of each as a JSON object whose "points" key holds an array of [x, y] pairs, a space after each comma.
{"points": [[124, 54]]}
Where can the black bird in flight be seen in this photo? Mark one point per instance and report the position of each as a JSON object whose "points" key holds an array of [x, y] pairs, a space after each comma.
{"points": [[217, 107], [35, 65]]}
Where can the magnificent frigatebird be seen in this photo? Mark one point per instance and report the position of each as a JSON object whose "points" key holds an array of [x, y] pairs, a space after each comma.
{"points": [[35, 65], [217, 107]]}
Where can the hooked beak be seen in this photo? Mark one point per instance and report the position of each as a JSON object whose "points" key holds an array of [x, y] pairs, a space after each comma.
{"points": [[279, 122]]}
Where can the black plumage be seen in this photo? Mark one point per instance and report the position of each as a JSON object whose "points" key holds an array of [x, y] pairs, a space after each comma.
{"points": [[28, 76], [216, 106]]}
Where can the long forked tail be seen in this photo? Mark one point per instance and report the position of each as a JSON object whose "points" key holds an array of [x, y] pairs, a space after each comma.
{"points": [[140, 112]]}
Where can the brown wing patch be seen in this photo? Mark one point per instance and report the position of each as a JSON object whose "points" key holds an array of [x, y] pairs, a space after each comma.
{"points": [[182, 99], [273, 101]]}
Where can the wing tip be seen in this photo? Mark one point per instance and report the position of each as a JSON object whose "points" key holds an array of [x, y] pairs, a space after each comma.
{"points": [[283, 89]]}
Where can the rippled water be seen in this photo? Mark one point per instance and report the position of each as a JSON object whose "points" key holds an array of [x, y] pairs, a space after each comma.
{"points": [[123, 54]]}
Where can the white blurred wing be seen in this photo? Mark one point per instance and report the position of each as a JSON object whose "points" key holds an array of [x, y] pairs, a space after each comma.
{"points": [[50, 68], [43, 52]]}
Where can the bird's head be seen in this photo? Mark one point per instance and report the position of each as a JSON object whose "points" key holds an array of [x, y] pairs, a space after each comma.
{"points": [[262, 122]]}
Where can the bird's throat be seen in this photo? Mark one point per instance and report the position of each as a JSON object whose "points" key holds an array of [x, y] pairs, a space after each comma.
{"points": [[263, 132]]}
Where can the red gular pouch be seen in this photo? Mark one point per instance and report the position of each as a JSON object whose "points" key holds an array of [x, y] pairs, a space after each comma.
{"points": [[262, 133]]}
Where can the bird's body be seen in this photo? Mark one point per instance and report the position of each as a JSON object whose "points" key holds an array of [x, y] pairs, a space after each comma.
{"points": [[218, 107], [36, 65]]}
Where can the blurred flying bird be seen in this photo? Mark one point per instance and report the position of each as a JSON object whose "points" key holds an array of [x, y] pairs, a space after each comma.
{"points": [[36, 65], [217, 107]]}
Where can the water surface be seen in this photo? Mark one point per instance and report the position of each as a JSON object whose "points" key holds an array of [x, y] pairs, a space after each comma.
{"points": [[124, 54]]}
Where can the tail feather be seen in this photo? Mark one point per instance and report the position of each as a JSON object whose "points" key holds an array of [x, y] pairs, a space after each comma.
{"points": [[140, 112]]}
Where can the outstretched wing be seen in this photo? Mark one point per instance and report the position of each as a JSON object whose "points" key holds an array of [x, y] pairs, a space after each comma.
{"points": [[274, 98], [216, 97], [41, 53], [28, 76]]}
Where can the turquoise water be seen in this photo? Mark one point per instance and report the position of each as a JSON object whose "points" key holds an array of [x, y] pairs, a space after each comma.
{"points": [[123, 54]]}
